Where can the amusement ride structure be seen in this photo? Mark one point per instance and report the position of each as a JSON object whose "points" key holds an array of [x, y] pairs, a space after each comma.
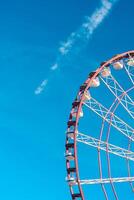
{"points": [[100, 135]]}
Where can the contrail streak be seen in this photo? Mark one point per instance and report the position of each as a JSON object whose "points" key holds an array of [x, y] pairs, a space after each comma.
{"points": [[79, 38]]}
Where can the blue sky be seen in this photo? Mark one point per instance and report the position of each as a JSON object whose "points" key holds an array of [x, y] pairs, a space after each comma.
{"points": [[33, 126]]}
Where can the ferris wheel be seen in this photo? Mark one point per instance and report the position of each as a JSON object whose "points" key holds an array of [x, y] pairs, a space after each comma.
{"points": [[100, 135]]}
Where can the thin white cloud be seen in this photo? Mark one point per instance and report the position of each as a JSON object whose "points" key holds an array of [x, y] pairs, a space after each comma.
{"points": [[96, 18], [66, 46], [41, 87], [83, 34], [54, 67], [88, 27]]}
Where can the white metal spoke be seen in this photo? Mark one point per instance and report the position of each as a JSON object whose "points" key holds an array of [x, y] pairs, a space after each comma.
{"points": [[130, 70], [110, 118], [104, 180], [91, 141], [119, 93]]}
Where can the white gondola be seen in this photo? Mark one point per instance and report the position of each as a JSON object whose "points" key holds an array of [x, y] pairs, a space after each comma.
{"points": [[130, 62], [70, 134], [69, 156], [71, 180], [106, 72], [87, 96], [75, 113], [95, 82], [118, 65]]}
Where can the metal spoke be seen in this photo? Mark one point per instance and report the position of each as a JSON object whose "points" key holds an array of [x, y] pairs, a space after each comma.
{"points": [[113, 112], [91, 141], [130, 70], [119, 93], [104, 181], [110, 117]]}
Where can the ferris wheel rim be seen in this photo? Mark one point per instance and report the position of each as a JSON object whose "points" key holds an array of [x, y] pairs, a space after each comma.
{"points": [[116, 101], [88, 81]]}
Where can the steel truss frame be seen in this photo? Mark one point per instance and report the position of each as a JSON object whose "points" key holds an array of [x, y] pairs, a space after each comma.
{"points": [[107, 116]]}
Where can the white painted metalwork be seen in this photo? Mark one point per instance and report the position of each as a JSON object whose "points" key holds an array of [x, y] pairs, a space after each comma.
{"points": [[110, 117], [122, 105], [130, 70], [119, 93], [91, 141], [106, 180]]}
